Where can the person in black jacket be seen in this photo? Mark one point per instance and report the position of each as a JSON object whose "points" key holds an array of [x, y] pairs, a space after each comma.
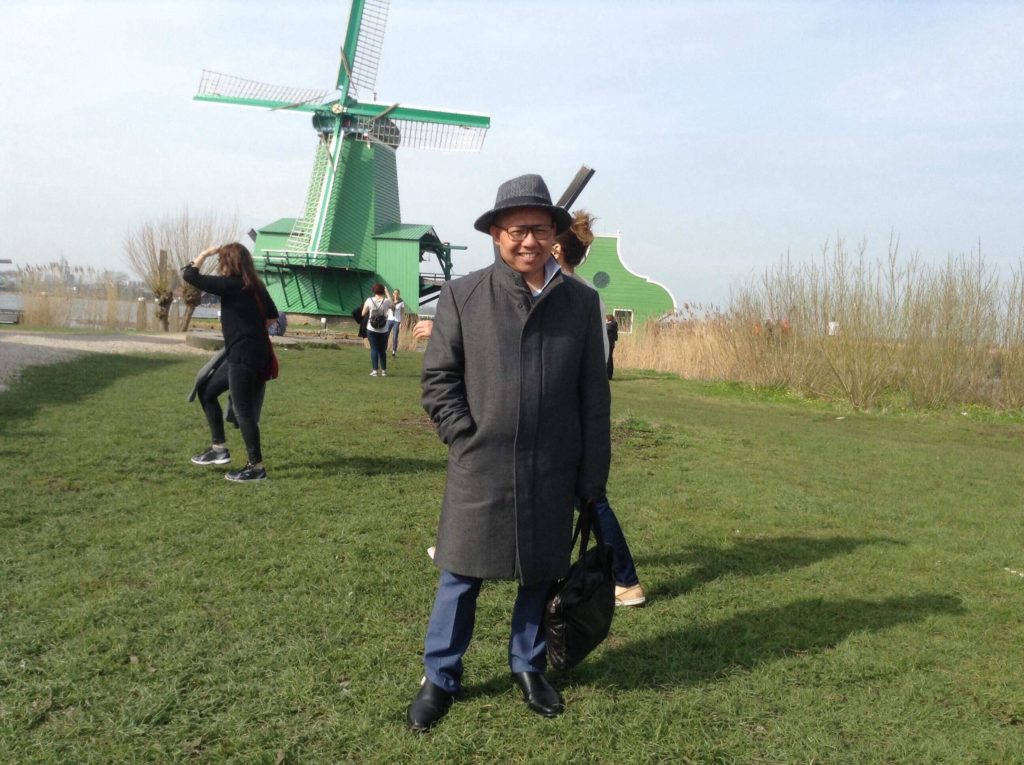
{"points": [[246, 311], [611, 328]]}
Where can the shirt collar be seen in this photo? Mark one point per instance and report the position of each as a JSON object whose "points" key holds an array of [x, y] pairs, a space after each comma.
{"points": [[550, 269]]}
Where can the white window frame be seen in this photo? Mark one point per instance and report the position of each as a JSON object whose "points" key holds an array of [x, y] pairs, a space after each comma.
{"points": [[624, 311]]}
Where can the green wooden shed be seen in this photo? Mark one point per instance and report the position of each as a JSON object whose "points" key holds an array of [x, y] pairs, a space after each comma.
{"points": [[631, 297]]}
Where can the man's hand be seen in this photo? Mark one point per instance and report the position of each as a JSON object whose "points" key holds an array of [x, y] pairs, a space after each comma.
{"points": [[424, 329]]}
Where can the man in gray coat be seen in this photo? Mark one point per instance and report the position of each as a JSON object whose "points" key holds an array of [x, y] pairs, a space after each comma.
{"points": [[514, 379]]}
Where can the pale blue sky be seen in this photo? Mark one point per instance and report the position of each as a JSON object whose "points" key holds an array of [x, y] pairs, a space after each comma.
{"points": [[723, 134]]}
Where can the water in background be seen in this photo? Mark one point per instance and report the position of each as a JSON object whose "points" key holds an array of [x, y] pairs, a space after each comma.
{"points": [[82, 307]]}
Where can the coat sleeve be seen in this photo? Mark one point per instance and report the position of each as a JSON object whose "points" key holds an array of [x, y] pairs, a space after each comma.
{"points": [[269, 304], [595, 410], [215, 285], [444, 366]]}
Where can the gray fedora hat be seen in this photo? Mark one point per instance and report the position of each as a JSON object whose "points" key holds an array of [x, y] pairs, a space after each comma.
{"points": [[524, 191]]}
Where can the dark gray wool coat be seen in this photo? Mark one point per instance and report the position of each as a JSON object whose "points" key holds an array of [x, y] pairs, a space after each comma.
{"points": [[518, 389]]}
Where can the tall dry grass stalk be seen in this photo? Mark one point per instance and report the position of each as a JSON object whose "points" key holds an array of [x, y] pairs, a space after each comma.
{"points": [[47, 293], [696, 347], [1009, 360], [58, 295], [933, 336]]}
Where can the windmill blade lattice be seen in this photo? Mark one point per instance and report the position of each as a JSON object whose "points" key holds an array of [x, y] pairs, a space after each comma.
{"points": [[433, 136], [366, 60], [215, 86]]}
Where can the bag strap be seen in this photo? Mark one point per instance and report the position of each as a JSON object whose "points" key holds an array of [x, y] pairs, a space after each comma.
{"points": [[586, 523]]}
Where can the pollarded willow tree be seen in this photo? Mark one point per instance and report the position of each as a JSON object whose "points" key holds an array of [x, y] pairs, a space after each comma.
{"points": [[157, 250]]}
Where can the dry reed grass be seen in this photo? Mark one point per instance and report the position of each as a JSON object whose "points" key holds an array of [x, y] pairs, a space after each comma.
{"points": [[928, 336], [57, 295]]}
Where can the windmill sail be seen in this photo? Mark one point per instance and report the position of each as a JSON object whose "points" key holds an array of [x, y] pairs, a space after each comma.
{"points": [[575, 187], [360, 55], [226, 88], [417, 127]]}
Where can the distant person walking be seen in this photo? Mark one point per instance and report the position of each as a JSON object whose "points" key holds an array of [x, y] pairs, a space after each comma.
{"points": [[611, 329], [375, 309], [399, 310], [246, 312]]}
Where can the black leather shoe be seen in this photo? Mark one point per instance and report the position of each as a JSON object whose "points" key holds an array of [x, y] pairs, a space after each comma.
{"points": [[539, 695], [430, 705]]}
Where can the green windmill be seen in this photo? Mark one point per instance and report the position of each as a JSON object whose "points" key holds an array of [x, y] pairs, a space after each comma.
{"points": [[350, 233]]}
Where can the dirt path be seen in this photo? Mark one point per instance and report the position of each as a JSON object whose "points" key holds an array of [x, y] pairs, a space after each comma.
{"points": [[19, 350]]}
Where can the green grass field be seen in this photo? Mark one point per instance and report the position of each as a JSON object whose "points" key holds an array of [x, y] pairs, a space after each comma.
{"points": [[825, 586]]}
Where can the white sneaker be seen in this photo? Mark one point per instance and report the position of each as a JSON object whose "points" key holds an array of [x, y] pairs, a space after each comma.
{"points": [[373, 373], [383, 373]]}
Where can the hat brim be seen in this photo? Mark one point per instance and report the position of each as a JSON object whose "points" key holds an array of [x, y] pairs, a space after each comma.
{"points": [[559, 215]]}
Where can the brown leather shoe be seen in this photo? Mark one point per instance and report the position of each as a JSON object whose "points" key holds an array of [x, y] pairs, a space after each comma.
{"points": [[430, 705], [538, 693]]}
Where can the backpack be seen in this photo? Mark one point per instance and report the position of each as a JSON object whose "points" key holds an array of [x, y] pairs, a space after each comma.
{"points": [[379, 314]]}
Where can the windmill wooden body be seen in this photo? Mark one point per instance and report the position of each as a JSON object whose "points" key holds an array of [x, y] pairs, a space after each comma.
{"points": [[350, 233]]}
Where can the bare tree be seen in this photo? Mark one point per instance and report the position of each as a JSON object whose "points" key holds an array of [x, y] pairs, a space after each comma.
{"points": [[149, 262], [186, 235], [156, 251]]}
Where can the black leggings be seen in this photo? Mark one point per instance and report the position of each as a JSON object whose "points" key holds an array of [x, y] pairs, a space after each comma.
{"points": [[246, 400]]}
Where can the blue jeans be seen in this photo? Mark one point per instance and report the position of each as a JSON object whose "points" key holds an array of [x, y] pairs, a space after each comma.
{"points": [[622, 559], [378, 349], [394, 336], [451, 628]]}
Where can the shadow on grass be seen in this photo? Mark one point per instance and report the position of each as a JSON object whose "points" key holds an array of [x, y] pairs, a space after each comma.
{"points": [[371, 466], [749, 640], [69, 382], [749, 558]]}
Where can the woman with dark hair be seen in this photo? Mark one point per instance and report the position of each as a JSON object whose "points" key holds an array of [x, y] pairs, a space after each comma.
{"points": [[376, 309], [570, 249], [246, 311]]}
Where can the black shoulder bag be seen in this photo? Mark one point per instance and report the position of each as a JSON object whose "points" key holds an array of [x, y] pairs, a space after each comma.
{"points": [[579, 612]]}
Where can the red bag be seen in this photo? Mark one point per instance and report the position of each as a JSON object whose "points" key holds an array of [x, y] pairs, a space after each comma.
{"points": [[273, 368]]}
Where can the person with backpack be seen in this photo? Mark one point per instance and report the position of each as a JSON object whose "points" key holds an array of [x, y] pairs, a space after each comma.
{"points": [[375, 309]]}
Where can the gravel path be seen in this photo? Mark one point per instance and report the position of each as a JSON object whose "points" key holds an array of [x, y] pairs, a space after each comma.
{"points": [[23, 349]]}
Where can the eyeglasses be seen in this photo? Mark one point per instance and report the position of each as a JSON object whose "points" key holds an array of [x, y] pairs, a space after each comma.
{"points": [[519, 233]]}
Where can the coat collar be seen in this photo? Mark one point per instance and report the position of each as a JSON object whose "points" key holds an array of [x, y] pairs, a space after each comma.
{"points": [[512, 281]]}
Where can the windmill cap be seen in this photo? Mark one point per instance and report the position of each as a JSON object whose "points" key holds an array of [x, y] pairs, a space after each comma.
{"points": [[524, 191]]}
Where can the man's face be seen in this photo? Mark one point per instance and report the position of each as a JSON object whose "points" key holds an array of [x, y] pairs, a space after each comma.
{"points": [[528, 256]]}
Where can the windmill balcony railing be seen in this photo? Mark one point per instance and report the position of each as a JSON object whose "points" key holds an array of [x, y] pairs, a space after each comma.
{"points": [[307, 259], [436, 278]]}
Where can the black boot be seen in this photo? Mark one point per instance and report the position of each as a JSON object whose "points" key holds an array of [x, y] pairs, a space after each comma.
{"points": [[539, 695], [430, 705]]}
